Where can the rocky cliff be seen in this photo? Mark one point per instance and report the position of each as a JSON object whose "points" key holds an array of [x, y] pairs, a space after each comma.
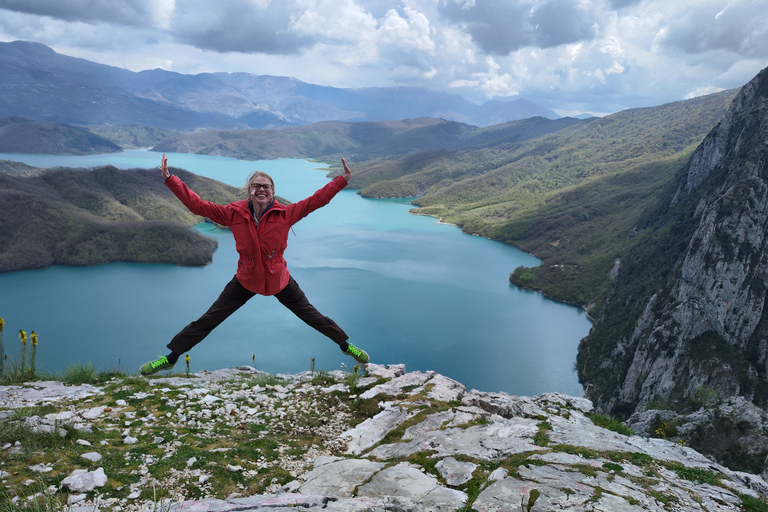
{"points": [[239, 439], [686, 324]]}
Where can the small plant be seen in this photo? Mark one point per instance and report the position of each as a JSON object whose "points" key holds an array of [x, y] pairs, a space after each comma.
{"points": [[186, 360], [661, 431], [2, 348], [541, 438], [80, 374], [33, 356], [23, 338], [351, 379], [532, 497]]}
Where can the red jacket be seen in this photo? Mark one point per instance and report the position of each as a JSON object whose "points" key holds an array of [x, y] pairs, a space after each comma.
{"points": [[261, 267]]}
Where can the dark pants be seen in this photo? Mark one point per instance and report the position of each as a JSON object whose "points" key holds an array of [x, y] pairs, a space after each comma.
{"points": [[235, 295]]}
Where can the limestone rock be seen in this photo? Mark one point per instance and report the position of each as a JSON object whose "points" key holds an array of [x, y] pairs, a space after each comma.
{"points": [[408, 481], [454, 472], [82, 480], [339, 478]]}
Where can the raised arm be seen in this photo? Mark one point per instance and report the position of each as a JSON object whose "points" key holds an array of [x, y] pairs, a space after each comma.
{"points": [[217, 213], [300, 209]]}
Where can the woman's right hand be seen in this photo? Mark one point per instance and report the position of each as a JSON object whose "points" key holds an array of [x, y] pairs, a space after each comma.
{"points": [[164, 168]]}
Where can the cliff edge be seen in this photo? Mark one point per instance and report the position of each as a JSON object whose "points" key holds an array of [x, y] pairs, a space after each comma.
{"points": [[685, 326]]}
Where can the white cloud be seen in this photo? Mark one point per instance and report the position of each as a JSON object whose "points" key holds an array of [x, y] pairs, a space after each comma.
{"points": [[595, 55], [413, 31]]}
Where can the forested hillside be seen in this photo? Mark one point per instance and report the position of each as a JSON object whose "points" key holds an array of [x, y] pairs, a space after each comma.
{"points": [[133, 136], [571, 197], [18, 135], [89, 217], [365, 140]]}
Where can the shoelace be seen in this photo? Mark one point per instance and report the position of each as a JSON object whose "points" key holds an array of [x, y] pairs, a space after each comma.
{"points": [[161, 361]]}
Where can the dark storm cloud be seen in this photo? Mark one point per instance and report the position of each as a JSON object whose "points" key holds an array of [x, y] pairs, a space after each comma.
{"points": [[497, 26], [560, 22], [500, 26], [620, 4], [124, 12], [740, 27], [237, 26]]}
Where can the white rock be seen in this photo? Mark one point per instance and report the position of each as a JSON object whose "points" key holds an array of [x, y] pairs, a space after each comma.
{"points": [[372, 430], [83, 442], [75, 498], [92, 456], [339, 478], [82, 480], [93, 413], [498, 474], [455, 472], [130, 440]]}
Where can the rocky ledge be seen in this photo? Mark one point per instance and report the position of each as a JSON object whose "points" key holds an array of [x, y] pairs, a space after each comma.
{"points": [[240, 439]]}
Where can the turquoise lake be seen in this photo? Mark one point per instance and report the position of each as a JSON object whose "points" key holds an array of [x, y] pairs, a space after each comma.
{"points": [[404, 287]]}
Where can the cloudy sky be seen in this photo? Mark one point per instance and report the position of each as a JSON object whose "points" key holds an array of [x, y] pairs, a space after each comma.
{"points": [[572, 56]]}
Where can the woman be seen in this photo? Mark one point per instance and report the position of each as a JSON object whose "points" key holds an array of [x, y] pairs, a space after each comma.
{"points": [[260, 225]]}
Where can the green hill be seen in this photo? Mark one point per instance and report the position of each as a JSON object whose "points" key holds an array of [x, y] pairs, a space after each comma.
{"points": [[366, 141], [90, 217], [571, 197], [18, 135], [133, 136]]}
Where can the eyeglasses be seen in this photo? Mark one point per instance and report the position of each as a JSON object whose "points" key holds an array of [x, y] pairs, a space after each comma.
{"points": [[256, 186]]}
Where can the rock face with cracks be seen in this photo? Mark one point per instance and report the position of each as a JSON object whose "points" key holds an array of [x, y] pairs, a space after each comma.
{"points": [[391, 440]]}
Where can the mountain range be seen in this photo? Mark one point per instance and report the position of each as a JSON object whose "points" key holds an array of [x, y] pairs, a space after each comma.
{"points": [[39, 84]]}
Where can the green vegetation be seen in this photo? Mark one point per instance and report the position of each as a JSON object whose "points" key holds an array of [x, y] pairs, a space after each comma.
{"points": [[751, 504], [133, 136], [572, 197], [365, 140], [89, 217], [610, 423], [19, 135]]}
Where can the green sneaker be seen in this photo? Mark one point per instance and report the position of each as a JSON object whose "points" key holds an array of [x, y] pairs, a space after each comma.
{"points": [[360, 355], [159, 364]]}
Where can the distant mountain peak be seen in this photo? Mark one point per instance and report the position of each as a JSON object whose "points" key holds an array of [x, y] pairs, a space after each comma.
{"points": [[40, 84]]}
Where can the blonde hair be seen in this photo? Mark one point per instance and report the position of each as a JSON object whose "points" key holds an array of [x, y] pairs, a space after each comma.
{"points": [[256, 174]]}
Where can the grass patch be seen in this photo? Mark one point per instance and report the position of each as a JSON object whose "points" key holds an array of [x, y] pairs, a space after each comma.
{"points": [[610, 423], [79, 373], [751, 504]]}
